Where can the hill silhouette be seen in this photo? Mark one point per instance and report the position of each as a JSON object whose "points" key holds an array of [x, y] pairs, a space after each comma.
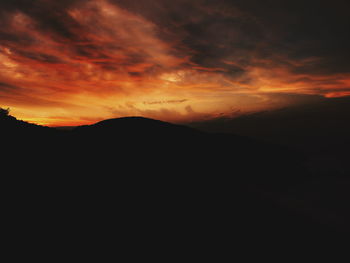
{"points": [[173, 147], [149, 174], [149, 141], [320, 130]]}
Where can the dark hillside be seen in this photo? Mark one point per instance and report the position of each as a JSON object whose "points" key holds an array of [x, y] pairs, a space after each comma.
{"points": [[150, 173], [320, 130]]}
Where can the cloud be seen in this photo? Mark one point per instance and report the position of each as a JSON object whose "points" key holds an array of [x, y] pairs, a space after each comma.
{"points": [[7, 86], [163, 102], [312, 35], [73, 55]]}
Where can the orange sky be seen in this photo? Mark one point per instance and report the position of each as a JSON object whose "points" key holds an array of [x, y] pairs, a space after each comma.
{"points": [[119, 64]]}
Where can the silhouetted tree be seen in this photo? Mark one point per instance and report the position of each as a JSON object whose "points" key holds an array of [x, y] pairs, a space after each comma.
{"points": [[4, 112]]}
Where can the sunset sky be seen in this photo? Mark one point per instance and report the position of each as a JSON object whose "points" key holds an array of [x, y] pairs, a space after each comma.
{"points": [[72, 62]]}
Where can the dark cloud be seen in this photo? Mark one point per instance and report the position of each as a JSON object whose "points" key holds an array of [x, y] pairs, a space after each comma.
{"points": [[7, 87], [50, 17], [212, 31], [164, 102], [246, 29], [9, 39], [40, 57]]}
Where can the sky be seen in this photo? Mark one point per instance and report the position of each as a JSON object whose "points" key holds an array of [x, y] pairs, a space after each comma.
{"points": [[73, 62]]}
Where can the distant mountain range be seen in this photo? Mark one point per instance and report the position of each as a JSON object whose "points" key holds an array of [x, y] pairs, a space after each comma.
{"points": [[321, 130]]}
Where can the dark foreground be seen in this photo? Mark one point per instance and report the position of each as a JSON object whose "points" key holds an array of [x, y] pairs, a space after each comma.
{"points": [[144, 180]]}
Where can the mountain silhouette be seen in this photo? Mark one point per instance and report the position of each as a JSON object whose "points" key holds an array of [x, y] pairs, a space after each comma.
{"points": [[137, 124], [320, 130], [149, 174], [147, 141], [175, 148]]}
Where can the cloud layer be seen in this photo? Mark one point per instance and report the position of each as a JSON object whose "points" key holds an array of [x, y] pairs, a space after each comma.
{"points": [[79, 61]]}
